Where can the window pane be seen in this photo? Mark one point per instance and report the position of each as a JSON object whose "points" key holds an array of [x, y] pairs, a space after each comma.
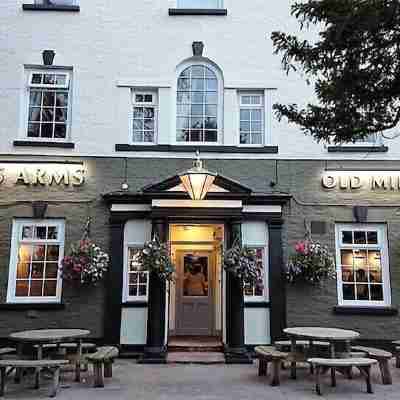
{"points": [[372, 237], [256, 115], [256, 126], [256, 138], [376, 292], [246, 100], [360, 237], [348, 292], [34, 114], [138, 124], [48, 99], [37, 79], [38, 253], [211, 85], [211, 98], [346, 257], [50, 288], [51, 270], [61, 80], [21, 288], [183, 84], [40, 232], [362, 292], [197, 71], [142, 290], [27, 232], [210, 136], [52, 253], [47, 115], [24, 253], [347, 275], [245, 137], [245, 115], [60, 131], [33, 130], [132, 290], [52, 232], [347, 237], [37, 270], [49, 79], [210, 123], [197, 84], [148, 112], [36, 288], [245, 126], [196, 136], [61, 114], [198, 97], [183, 97], [35, 98], [148, 136], [197, 109], [182, 123], [138, 112], [211, 111], [148, 98], [183, 109], [133, 279], [23, 270]]}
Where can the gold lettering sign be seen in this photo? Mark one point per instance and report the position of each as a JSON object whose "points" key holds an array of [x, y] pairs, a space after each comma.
{"points": [[353, 181], [43, 175]]}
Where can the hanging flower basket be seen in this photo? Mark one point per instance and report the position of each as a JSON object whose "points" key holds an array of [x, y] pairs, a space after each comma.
{"points": [[241, 262], [311, 262], [86, 263], [154, 257]]}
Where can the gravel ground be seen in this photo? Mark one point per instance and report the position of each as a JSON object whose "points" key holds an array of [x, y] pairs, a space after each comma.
{"points": [[204, 382]]}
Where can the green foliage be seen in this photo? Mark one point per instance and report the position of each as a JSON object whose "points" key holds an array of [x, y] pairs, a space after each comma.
{"points": [[155, 258], [242, 263], [354, 64]]}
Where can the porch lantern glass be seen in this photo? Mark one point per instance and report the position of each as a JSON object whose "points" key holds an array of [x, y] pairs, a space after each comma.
{"points": [[197, 180]]}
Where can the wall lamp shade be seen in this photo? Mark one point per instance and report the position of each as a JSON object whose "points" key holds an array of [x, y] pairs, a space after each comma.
{"points": [[197, 181]]}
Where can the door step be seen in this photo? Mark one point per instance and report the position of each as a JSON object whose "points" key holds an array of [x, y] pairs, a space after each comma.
{"points": [[193, 357], [193, 344]]}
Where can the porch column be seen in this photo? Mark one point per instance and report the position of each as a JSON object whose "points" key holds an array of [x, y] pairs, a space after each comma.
{"points": [[155, 350], [235, 351]]}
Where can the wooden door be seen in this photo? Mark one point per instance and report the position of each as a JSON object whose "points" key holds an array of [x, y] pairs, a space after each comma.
{"points": [[194, 293]]}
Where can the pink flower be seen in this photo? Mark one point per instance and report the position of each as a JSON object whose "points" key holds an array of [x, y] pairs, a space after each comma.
{"points": [[300, 247]]}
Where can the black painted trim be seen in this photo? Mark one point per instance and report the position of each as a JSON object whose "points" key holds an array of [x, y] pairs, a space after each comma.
{"points": [[112, 324], [197, 11], [42, 7], [204, 148], [257, 304], [276, 280], [354, 310], [34, 143], [31, 306], [134, 304], [358, 149]]}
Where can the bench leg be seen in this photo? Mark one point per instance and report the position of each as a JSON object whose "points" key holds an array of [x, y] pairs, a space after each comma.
{"points": [[18, 371], [108, 369], [3, 381], [78, 362], [333, 377], [398, 360], [98, 375], [318, 380], [293, 363], [56, 382], [262, 367], [366, 372], [276, 369], [385, 372]]}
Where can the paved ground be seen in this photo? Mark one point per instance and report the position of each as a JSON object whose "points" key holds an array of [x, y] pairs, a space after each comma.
{"points": [[202, 382]]}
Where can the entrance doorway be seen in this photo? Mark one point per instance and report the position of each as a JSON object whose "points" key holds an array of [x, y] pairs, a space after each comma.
{"points": [[196, 295]]}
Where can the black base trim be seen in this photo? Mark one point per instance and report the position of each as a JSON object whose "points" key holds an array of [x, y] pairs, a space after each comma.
{"points": [[352, 310], [237, 356], [31, 306], [34, 143], [358, 149], [42, 7], [257, 304], [197, 11], [204, 148], [135, 304]]}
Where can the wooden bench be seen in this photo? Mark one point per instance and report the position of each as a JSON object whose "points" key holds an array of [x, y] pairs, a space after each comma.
{"points": [[52, 365], [382, 356], [6, 350], [104, 356], [268, 354], [397, 352], [363, 364]]}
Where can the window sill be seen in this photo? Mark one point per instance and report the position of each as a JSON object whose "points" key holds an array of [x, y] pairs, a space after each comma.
{"points": [[362, 310], [203, 147], [37, 143], [197, 11], [31, 306], [42, 7], [358, 149]]}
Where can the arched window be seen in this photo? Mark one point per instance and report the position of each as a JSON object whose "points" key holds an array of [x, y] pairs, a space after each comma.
{"points": [[197, 105]]}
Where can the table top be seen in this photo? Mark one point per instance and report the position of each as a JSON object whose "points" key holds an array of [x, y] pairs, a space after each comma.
{"points": [[313, 332], [49, 335]]}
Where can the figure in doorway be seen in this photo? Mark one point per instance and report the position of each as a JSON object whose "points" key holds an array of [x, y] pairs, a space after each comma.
{"points": [[195, 283]]}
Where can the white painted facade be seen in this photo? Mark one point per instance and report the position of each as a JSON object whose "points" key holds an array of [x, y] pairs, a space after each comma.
{"points": [[114, 47]]}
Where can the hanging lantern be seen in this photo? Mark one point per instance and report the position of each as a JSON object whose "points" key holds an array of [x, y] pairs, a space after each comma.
{"points": [[197, 181]]}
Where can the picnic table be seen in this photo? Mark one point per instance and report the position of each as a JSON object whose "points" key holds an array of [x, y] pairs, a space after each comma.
{"points": [[334, 336], [40, 337]]}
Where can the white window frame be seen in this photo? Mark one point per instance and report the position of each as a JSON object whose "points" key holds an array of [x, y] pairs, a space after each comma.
{"points": [[265, 295], [382, 246], [125, 290], [261, 107], [16, 239], [220, 105], [153, 104], [179, 4], [67, 86]]}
